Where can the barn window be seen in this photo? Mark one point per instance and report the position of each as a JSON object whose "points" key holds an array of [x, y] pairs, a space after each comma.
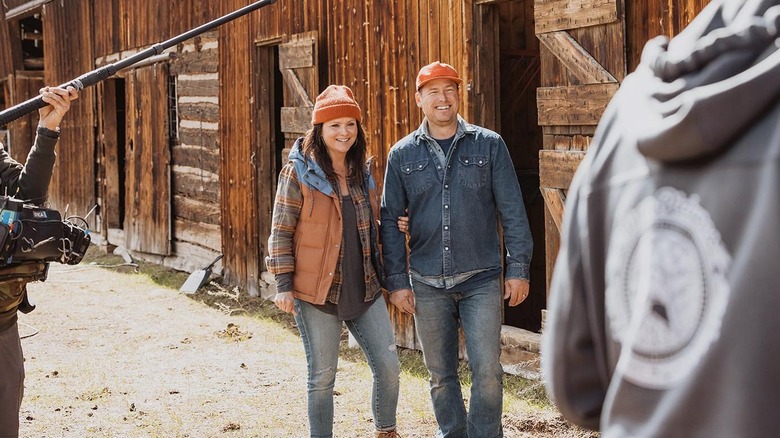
{"points": [[173, 111], [32, 42]]}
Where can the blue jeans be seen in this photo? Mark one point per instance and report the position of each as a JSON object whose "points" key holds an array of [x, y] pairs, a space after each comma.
{"points": [[321, 334], [436, 318]]}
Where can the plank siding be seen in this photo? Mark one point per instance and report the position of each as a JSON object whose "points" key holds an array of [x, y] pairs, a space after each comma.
{"points": [[573, 105], [107, 20], [570, 74], [552, 15], [557, 168], [223, 159], [575, 58], [6, 47], [238, 207], [74, 179], [646, 19]]}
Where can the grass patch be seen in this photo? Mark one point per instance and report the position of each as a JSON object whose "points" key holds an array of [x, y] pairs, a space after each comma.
{"points": [[159, 274]]}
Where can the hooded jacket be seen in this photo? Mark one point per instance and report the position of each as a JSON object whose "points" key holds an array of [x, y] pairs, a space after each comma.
{"points": [[662, 319], [306, 232]]}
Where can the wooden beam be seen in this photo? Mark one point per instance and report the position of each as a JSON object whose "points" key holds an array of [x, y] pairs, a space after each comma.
{"points": [[24, 8], [296, 119], [195, 232], [552, 15], [566, 142], [552, 240], [575, 58], [297, 54], [299, 91], [555, 201], [573, 105], [490, 2], [556, 168]]}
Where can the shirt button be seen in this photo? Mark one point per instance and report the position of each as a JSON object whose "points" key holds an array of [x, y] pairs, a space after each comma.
{"points": [[420, 166], [446, 227], [466, 161], [438, 167], [446, 206], [480, 161], [446, 248], [446, 186], [408, 169]]}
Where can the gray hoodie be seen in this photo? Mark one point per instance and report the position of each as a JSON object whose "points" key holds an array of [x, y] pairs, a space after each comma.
{"points": [[663, 312]]}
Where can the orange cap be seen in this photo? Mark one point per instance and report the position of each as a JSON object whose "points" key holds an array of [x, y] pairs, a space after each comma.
{"points": [[437, 70], [335, 102]]}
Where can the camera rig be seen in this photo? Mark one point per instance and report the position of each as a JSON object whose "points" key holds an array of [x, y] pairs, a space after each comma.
{"points": [[30, 233]]}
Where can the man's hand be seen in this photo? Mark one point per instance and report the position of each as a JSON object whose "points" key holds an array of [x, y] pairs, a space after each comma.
{"points": [[285, 301], [58, 100], [516, 290], [404, 300]]}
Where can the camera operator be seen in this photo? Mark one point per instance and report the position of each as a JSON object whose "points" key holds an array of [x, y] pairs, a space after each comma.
{"points": [[28, 182]]}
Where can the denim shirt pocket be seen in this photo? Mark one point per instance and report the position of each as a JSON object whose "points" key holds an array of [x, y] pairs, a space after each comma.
{"points": [[473, 171], [417, 177]]}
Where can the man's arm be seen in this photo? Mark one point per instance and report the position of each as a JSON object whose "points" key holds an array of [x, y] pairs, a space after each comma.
{"points": [[394, 204], [512, 214]]}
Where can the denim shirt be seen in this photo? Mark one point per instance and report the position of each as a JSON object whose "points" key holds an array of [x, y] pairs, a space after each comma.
{"points": [[455, 204]]}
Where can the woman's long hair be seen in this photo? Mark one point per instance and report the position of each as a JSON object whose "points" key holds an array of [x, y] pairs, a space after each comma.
{"points": [[314, 148]]}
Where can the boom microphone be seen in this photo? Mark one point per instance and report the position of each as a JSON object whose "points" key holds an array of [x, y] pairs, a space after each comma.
{"points": [[93, 77]]}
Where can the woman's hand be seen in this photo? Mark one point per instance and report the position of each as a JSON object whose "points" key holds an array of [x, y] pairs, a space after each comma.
{"points": [[403, 224], [285, 302]]}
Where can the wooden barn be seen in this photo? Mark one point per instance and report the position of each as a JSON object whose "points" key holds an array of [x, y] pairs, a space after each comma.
{"points": [[181, 152]]}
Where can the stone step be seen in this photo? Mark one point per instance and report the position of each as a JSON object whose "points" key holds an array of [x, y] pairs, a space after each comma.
{"points": [[520, 352]]}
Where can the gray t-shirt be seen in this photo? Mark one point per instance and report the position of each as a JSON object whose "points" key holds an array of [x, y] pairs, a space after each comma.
{"points": [[352, 302]]}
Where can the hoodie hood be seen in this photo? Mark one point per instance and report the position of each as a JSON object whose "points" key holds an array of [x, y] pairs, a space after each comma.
{"points": [[706, 86], [310, 174]]}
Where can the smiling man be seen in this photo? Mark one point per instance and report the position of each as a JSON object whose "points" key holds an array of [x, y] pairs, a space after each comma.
{"points": [[457, 183]]}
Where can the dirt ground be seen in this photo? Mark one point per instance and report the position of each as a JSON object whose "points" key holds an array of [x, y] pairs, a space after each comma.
{"points": [[112, 353]]}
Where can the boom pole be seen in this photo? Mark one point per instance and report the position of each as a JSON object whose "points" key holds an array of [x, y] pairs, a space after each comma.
{"points": [[93, 77]]}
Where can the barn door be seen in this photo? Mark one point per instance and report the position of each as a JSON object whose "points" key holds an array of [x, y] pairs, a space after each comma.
{"points": [[298, 64], [111, 124], [583, 58], [148, 162]]}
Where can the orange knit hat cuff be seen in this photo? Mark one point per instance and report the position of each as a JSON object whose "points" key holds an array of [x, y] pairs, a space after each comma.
{"points": [[335, 102]]}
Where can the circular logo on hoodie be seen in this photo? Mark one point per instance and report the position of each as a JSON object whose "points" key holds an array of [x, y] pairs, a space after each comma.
{"points": [[666, 288]]}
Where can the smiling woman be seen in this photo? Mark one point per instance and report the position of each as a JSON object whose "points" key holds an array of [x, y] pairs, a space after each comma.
{"points": [[324, 256]]}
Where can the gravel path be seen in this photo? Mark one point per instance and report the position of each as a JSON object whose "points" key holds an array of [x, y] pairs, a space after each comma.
{"points": [[112, 354]]}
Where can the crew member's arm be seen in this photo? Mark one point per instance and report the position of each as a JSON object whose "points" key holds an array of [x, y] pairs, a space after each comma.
{"points": [[31, 181]]}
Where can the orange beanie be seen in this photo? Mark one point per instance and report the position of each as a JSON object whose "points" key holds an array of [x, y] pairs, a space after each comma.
{"points": [[437, 70], [335, 102]]}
